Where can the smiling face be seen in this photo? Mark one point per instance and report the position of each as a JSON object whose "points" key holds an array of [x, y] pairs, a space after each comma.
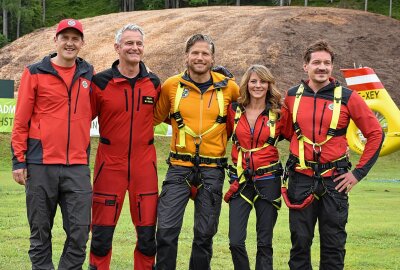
{"points": [[319, 69], [199, 59], [68, 44], [130, 48], [257, 87]]}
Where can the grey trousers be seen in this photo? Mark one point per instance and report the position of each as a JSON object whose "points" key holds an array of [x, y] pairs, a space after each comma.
{"points": [[171, 208], [68, 186]]}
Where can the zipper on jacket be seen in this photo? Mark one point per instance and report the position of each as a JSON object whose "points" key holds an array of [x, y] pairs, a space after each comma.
{"points": [[313, 123], [126, 99], [212, 94], [130, 132], [259, 133], [138, 100], [201, 113], [69, 91], [322, 117], [69, 124], [77, 95]]}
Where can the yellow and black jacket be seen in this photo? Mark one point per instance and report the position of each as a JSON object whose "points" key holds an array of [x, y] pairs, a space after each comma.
{"points": [[199, 112]]}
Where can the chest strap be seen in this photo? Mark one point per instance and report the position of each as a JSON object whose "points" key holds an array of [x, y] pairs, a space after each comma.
{"points": [[337, 101], [270, 141], [184, 129]]}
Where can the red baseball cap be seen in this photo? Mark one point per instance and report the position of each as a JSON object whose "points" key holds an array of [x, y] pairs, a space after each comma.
{"points": [[69, 23]]}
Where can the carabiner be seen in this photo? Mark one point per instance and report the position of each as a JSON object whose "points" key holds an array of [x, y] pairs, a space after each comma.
{"points": [[197, 140], [319, 151]]}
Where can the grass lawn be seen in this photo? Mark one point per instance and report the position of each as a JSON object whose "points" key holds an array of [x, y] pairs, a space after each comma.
{"points": [[373, 227]]}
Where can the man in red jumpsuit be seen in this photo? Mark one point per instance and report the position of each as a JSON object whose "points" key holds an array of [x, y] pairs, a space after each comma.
{"points": [[123, 98]]}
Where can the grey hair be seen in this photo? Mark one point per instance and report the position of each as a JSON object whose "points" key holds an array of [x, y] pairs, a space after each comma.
{"points": [[128, 27]]}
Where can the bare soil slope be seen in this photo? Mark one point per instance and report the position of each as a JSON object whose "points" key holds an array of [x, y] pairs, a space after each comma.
{"points": [[247, 35]]}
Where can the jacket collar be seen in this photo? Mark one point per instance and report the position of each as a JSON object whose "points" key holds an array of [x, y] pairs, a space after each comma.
{"points": [[118, 76], [45, 65], [219, 80], [332, 84]]}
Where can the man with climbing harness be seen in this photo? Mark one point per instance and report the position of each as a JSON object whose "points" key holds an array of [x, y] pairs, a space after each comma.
{"points": [[123, 97], [256, 174], [318, 112], [197, 101]]}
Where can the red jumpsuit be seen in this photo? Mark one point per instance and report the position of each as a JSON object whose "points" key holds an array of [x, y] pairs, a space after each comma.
{"points": [[125, 161]]}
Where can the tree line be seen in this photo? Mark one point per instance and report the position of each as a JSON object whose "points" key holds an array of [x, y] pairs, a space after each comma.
{"points": [[20, 17]]}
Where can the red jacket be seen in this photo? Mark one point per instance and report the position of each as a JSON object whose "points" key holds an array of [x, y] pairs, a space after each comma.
{"points": [[314, 117], [52, 122], [249, 140], [125, 114]]}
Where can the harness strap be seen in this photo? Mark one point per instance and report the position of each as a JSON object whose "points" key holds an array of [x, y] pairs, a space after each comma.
{"points": [[321, 168], [270, 141], [332, 127], [184, 129], [342, 163], [273, 167], [219, 161]]}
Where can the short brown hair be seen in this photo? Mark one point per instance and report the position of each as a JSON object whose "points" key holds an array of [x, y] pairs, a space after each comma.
{"points": [[199, 37], [320, 45]]}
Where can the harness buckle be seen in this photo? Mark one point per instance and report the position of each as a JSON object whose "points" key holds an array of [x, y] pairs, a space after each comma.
{"points": [[317, 148], [197, 140]]}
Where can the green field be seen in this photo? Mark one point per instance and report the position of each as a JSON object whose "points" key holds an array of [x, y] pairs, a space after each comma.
{"points": [[373, 229]]}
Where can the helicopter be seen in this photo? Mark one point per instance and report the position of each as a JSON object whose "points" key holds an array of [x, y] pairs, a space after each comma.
{"points": [[366, 83]]}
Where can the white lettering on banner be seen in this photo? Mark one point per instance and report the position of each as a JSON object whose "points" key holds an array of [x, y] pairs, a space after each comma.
{"points": [[7, 109]]}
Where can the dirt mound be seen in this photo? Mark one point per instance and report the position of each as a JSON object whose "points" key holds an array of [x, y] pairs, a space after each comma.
{"points": [[246, 35]]}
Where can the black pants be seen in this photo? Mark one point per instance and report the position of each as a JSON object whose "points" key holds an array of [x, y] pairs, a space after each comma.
{"points": [[331, 211], [68, 186], [171, 208], [266, 214]]}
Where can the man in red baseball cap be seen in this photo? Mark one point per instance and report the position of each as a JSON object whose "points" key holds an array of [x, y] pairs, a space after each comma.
{"points": [[50, 143]]}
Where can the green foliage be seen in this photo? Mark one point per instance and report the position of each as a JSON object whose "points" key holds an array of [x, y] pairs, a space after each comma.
{"points": [[3, 40], [150, 4], [197, 3], [57, 10]]}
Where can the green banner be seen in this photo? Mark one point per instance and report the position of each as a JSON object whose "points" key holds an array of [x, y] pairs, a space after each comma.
{"points": [[7, 111]]}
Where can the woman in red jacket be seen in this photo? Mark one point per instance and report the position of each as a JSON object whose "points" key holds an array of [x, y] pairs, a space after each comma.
{"points": [[255, 176]]}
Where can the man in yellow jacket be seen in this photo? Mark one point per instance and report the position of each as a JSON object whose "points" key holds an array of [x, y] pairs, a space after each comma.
{"points": [[196, 101]]}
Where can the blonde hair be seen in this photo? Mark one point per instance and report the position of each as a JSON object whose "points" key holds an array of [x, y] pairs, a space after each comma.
{"points": [[273, 97]]}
